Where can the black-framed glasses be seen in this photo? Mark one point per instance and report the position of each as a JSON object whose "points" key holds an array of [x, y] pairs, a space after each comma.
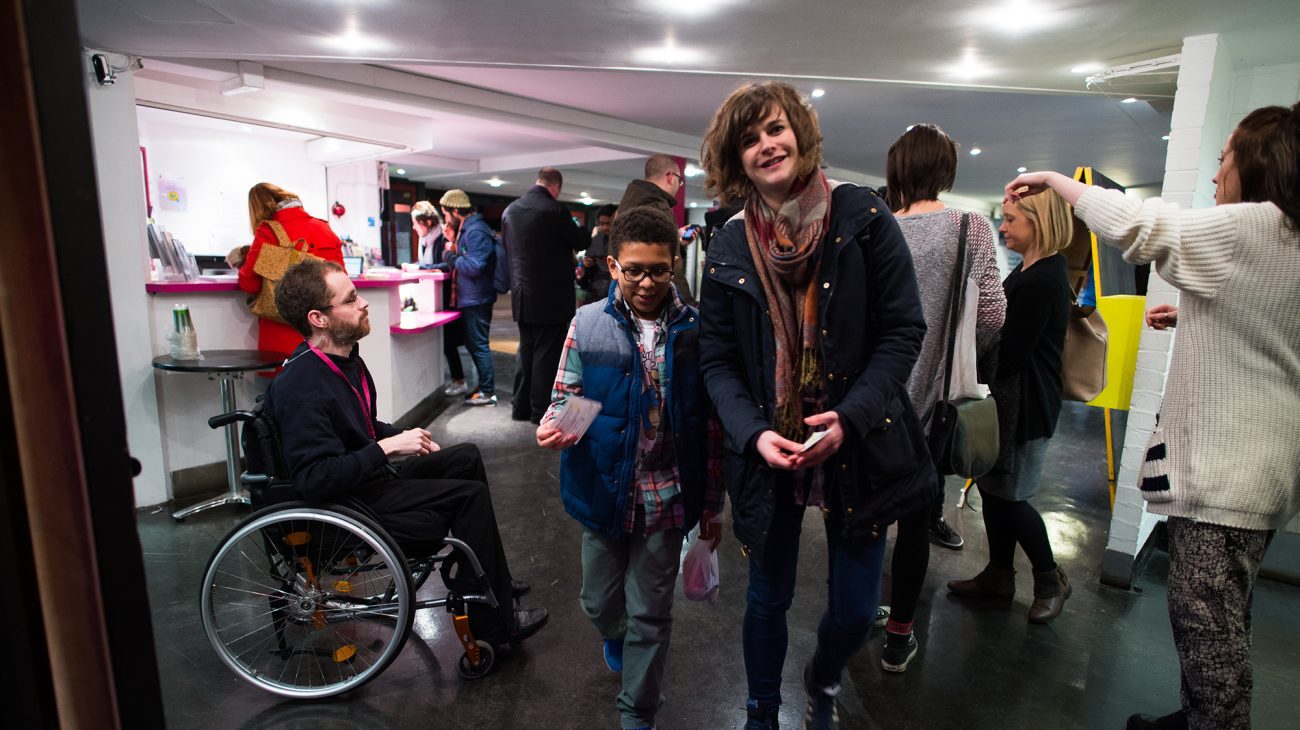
{"points": [[634, 274], [351, 299], [680, 180]]}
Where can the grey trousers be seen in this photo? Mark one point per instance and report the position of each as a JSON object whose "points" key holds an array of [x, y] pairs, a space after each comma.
{"points": [[1212, 572], [627, 592]]}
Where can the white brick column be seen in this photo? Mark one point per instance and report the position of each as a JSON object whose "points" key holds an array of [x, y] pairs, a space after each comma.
{"points": [[1197, 131]]}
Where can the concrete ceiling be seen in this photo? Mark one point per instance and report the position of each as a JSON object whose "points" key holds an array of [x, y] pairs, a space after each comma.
{"points": [[995, 75]]}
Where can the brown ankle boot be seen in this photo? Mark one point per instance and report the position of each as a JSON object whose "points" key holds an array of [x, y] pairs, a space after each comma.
{"points": [[991, 583], [1048, 607]]}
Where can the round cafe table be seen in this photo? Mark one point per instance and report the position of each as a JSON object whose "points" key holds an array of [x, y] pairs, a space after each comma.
{"points": [[224, 366]]}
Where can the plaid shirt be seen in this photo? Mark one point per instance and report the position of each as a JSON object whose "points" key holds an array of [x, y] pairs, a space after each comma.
{"points": [[656, 486]]}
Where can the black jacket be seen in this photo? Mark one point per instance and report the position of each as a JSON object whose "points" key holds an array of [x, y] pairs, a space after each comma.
{"points": [[323, 435], [645, 194], [1029, 356], [540, 239], [872, 328]]}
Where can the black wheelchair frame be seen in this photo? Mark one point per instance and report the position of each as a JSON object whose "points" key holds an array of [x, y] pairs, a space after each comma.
{"points": [[310, 600]]}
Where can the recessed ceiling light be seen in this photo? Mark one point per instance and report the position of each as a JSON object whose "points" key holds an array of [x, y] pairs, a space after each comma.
{"points": [[1087, 68], [691, 8], [1165, 138], [1129, 100], [495, 182], [693, 170], [1022, 168], [818, 93], [401, 171], [975, 151], [668, 54], [970, 67], [694, 204], [1020, 16], [583, 194], [245, 128]]}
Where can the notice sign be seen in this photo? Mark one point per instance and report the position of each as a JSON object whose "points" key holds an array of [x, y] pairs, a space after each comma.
{"points": [[172, 195]]}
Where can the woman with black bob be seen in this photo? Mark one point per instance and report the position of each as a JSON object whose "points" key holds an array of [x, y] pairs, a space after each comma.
{"points": [[1222, 460], [921, 164], [811, 322]]}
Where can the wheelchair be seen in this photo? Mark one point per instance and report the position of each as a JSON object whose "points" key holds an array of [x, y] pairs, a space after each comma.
{"points": [[309, 600]]}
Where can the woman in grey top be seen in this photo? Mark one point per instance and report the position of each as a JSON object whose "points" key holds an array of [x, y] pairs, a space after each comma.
{"points": [[921, 164]]}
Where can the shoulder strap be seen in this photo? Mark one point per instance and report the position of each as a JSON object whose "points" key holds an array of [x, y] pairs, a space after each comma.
{"points": [[954, 305], [280, 235]]}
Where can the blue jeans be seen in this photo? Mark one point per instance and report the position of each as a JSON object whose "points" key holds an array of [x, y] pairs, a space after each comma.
{"points": [[853, 581], [478, 323]]}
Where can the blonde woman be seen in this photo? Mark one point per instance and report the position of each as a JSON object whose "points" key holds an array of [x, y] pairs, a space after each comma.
{"points": [[1028, 393], [267, 202]]}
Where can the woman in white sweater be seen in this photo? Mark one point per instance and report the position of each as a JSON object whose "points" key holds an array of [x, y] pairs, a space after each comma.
{"points": [[1222, 462]]}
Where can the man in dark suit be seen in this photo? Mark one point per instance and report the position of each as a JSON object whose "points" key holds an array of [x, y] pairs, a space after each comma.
{"points": [[541, 238]]}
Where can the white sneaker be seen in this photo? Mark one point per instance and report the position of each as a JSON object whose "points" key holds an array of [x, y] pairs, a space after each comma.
{"points": [[478, 399], [455, 389]]}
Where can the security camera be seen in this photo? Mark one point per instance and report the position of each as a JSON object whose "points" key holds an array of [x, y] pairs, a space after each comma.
{"points": [[104, 73]]}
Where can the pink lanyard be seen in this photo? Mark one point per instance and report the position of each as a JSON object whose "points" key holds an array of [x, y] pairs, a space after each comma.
{"points": [[365, 386]]}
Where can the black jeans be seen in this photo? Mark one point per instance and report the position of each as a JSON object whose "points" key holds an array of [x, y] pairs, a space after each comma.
{"points": [[536, 361], [442, 491]]}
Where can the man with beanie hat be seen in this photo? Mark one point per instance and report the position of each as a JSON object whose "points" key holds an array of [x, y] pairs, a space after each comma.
{"points": [[470, 258]]}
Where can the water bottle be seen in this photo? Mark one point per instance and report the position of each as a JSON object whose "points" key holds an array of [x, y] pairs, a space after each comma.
{"points": [[184, 340]]}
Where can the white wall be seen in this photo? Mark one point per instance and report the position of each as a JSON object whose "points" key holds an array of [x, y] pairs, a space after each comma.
{"points": [[120, 181], [356, 186], [216, 166]]}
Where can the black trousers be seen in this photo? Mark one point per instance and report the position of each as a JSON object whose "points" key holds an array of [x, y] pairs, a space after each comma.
{"points": [[453, 336], [447, 491], [536, 361]]}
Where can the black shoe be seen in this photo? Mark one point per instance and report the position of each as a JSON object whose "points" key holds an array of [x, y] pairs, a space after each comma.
{"points": [[761, 717], [821, 713], [899, 651], [1172, 721], [519, 588], [528, 621], [944, 536]]}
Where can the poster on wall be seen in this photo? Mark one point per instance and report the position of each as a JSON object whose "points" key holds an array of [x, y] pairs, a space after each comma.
{"points": [[172, 195]]}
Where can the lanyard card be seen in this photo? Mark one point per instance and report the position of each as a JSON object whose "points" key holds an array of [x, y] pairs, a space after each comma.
{"points": [[577, 415]]}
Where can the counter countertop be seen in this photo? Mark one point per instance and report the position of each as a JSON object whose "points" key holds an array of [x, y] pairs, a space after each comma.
{"points": [[214, 284]]}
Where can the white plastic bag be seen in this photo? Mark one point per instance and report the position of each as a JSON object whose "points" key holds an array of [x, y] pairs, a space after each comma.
{"points": [[700, 571], [965, 380]]}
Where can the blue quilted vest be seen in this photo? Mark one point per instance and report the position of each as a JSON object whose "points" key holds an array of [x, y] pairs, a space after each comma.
{"points": [[596, 474]]}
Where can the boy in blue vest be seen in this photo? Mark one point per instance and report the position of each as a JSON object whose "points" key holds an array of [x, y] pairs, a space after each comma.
{"points": [[643, 474]]}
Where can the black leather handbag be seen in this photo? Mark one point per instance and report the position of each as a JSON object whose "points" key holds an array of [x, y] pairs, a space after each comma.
{"points": [[963, 433]]}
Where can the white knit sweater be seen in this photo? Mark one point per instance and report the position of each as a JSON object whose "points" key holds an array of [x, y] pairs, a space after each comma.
{"points": [[1226, 449]]}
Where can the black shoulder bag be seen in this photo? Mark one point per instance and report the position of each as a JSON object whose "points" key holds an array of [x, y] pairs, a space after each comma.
{"points": [[964, 433]]}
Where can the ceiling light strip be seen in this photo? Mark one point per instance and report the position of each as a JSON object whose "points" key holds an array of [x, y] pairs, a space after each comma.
{"points": [[271, 125]]}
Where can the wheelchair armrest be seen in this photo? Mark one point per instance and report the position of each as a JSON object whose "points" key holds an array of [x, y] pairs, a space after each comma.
{"points": [[226, 419]]}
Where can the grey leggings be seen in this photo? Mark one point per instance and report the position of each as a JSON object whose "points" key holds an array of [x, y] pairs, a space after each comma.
{"points": [[1212, 572]]}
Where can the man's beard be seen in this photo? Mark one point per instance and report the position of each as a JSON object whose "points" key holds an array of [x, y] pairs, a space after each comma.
{"points": [[346, 334]]}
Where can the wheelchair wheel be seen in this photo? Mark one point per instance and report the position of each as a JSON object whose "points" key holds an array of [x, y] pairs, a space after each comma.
{"points": [[307, 602], [487, 657]]}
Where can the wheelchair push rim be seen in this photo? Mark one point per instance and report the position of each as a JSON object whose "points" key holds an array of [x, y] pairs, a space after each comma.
{"points": [[307, 602]]}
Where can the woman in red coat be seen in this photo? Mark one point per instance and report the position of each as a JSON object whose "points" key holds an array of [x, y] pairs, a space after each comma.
{"points": [[267, 202]]}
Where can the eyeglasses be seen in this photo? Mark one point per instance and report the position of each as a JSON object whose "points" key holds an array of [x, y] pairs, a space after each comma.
{"points": [[634, 274], [680, 180], [351, 299]]}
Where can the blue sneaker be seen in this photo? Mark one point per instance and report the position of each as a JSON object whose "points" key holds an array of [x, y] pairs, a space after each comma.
{"points": [[614, 654]]}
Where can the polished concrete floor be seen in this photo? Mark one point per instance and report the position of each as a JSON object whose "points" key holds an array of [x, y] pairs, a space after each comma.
{"points": [[1110, 654]]}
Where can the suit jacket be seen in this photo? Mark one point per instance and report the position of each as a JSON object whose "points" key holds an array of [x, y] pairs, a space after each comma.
{"points": [[541, 238]]}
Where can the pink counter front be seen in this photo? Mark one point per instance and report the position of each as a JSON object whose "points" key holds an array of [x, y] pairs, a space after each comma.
{"points": [[403, 352]]}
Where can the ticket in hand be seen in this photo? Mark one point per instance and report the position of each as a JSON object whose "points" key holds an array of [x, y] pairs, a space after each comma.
{"points": [[812, 440], [577, 415]]}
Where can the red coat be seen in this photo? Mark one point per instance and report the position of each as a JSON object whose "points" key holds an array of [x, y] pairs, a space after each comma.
{"points": [[321, 242]]}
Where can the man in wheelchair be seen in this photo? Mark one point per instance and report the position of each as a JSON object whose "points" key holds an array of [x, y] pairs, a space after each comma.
{"points": [[323, 403]]}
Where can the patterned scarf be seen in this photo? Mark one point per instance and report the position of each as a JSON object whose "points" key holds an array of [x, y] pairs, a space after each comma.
{"points": [[786, 248]]}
